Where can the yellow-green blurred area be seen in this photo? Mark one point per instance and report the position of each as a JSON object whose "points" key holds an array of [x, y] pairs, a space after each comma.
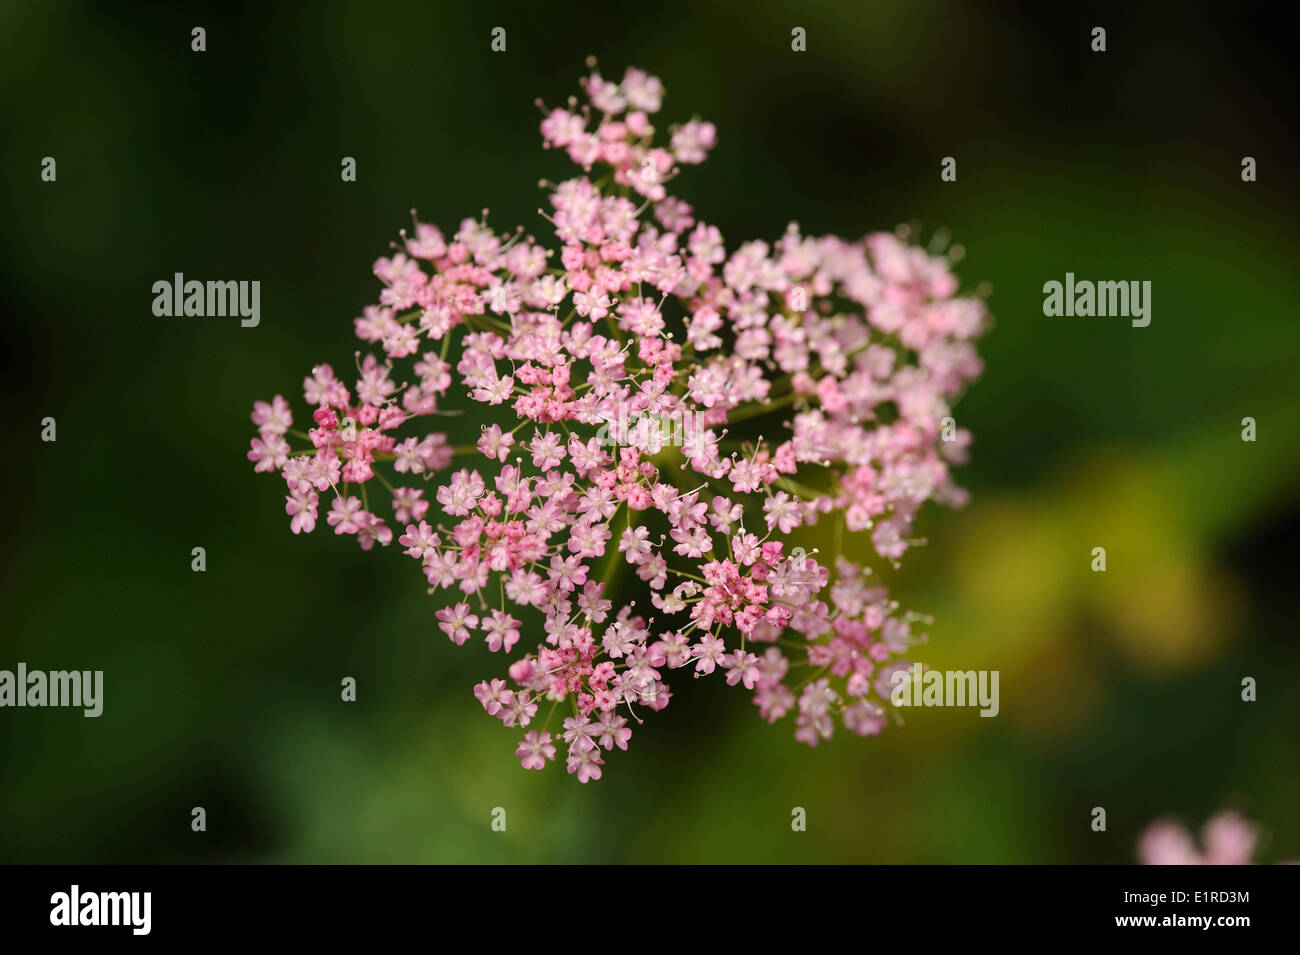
{"points": [[1119, 690]]}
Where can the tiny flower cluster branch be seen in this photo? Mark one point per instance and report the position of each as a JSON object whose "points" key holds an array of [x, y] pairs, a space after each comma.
{"points": [[816, 373]]}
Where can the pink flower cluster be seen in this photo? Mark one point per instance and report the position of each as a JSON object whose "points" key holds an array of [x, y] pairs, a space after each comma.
{"points": [[819, 372]]}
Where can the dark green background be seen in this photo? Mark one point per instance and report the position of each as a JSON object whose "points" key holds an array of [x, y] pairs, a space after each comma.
{"points": [[1118, 690]]}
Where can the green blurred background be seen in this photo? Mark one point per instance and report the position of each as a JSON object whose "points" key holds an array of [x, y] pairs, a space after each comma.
{"points": [[1119, 690]]}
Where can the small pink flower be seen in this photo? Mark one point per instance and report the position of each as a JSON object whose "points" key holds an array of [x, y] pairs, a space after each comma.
{"points": [[741, 666], [301, 507], [586, 763], [535, 750], [456, 622]]}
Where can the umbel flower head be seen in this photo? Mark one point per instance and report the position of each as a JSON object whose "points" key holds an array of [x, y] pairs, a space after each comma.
{"points": [[666, 411]]}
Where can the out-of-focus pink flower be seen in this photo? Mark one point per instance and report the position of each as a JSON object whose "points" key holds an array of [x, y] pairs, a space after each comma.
{"points": [[1227, 839]]}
